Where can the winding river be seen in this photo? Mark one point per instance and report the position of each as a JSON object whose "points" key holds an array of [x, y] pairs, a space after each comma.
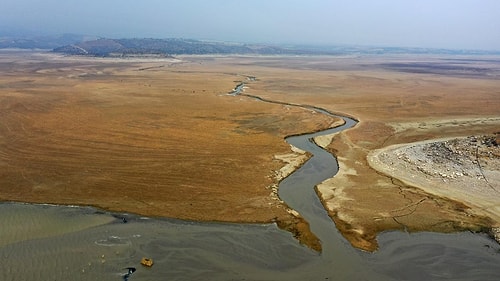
{"points": [[297, 190], [42, 242]]}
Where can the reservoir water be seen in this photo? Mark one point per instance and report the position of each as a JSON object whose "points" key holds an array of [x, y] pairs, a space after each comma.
{"points": [[39, 242]]}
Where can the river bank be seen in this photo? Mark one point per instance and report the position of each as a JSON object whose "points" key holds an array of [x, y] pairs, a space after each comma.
{"points": [[364, 199]]}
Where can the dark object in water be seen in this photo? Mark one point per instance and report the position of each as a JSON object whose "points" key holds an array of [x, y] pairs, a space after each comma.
{"points": [[130, 271], [122, 218]]}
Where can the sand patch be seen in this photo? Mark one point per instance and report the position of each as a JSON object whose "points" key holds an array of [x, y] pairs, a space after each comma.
{"points": [[292, 161]]}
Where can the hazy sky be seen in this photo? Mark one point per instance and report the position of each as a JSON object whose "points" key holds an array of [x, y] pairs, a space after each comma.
{"points": [[457, 24]]}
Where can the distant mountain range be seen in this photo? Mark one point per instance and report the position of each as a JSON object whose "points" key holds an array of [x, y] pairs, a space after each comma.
{"points": [[83, 45]]}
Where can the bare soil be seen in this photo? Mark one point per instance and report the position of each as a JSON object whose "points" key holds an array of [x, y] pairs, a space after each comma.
{"points": [[157, 138], [161, 138]]}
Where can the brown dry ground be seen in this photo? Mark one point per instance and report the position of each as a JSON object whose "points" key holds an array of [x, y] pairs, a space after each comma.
{"points": [[157, 138], [423, 98], [160, 137]]}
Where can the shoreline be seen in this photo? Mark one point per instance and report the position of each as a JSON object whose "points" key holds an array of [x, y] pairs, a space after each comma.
{"points": [[359, 187], [405, 163]]}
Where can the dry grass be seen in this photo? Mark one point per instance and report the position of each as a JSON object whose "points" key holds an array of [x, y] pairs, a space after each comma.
{"points": [[164, 141], [393, 106], [160, 138]]}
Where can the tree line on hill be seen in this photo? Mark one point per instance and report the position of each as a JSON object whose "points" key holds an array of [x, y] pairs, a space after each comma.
{"points": [[73, 44], [165, 47]]}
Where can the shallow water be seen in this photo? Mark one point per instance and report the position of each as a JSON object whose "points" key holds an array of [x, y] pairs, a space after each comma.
{"points": [[434, 256], [103, 249], [69, 243]]}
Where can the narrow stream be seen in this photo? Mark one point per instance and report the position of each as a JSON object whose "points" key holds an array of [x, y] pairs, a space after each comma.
{"points": [[297, 190], [42, 242]]}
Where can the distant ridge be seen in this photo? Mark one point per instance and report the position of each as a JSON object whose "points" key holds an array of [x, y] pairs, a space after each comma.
{"points": [[85, 45], [165, 47], [41, 42]]}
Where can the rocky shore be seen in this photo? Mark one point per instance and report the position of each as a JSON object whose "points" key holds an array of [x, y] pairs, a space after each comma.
{"points": [[464, 169]]}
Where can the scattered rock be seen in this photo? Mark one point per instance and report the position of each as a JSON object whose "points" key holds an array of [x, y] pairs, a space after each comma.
{"points": [[495, 233], [465, 169], [452, 159], [147, 262]]}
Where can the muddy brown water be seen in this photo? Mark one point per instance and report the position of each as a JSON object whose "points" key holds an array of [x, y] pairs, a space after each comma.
{"points": [[39, 242], [45, 242]]}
